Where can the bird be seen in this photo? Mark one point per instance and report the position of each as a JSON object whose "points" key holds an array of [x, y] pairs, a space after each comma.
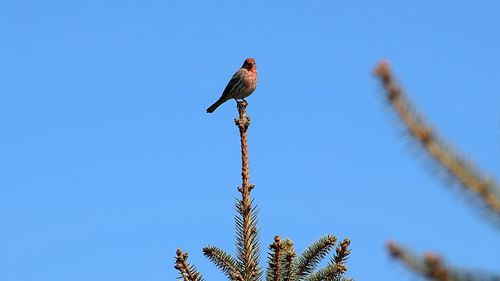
{"points": [[241, 85]]}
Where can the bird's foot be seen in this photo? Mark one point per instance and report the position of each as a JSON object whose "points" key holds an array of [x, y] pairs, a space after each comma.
{"points": [[241, 103]]}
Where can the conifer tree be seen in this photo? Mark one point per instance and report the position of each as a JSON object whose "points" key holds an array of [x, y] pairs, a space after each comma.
{"points": [[283, 263]]}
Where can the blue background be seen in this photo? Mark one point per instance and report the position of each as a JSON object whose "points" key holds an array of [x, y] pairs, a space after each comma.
{"points": [[108, 161]]}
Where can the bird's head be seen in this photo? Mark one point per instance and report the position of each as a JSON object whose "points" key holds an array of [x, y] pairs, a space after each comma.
{"points": [[249, 64]]}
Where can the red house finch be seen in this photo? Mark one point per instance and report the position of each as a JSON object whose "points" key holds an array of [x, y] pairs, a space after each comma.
{"points": [[242, 84]]}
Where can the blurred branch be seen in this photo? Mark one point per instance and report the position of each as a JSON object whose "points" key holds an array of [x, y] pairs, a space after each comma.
{"points": [[466, 174], [432, 267], [188, 272]]}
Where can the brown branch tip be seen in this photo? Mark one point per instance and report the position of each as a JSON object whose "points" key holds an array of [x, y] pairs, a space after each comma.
{"points": [[383, 71], [276, 263], [430, 266], [243, 121], [341, 255], [187, 272]]}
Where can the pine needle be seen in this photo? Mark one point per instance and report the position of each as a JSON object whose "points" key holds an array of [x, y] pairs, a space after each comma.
{"points": [[310, 258], [225, 262]]}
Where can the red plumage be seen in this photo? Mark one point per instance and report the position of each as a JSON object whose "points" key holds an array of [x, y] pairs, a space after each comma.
{"points": [[241, 85]]}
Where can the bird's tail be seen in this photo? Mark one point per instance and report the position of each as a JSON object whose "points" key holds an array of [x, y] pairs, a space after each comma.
{"points": [[215, 105]]}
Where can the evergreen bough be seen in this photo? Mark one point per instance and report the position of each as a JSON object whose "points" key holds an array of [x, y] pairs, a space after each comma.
{"points": [[283, 263]]}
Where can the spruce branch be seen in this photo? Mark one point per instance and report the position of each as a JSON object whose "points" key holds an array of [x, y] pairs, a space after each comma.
{"points": [[289, 269], [283, 264], [276, 258], [466, 174], [432, 267], [187, 271], [341, 255], [310, 258], [330, 273], [247, 242], [224, 261]]}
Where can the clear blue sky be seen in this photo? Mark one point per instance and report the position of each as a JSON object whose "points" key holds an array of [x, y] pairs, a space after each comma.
{"points": [[108, 161]]}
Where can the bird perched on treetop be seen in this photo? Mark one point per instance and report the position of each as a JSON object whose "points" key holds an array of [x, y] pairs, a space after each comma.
{"points": [[242, 84]]}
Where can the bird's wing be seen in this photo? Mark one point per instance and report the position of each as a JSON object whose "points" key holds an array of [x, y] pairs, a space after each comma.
{"points": [[232, 84]]}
